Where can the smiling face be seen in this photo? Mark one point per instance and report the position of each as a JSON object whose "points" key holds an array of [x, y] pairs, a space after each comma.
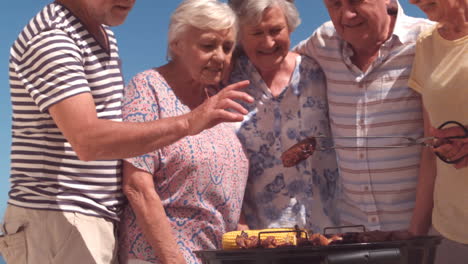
{"points": [[267, 42], [204, 54], [361, 23]]}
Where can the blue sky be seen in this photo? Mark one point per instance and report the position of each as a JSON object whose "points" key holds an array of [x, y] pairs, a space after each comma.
{"points": [[142, 41]]}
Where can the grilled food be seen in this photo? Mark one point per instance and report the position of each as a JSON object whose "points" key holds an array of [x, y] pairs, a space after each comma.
{"points": [[298, 152]]}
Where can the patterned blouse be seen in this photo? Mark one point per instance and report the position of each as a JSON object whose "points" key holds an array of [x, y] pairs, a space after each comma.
{"points": [[303, 195], [200, 179]]}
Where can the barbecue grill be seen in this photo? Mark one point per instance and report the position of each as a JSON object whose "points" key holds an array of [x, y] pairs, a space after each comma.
{"points": [[418, 250]]}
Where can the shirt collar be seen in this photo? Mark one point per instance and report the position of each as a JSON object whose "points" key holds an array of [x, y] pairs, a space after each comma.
{"points": [[399, 30]]}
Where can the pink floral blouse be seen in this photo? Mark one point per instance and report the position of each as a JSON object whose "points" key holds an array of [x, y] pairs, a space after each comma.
{"points": [[200, 179]]}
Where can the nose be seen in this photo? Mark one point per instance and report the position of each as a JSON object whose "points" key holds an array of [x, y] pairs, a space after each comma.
{"points": [[219, 54], [268, 41], [349, 12]]}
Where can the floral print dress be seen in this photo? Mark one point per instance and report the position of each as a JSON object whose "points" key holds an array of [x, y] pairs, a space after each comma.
{"points": [[200, 179], [304, 195]]}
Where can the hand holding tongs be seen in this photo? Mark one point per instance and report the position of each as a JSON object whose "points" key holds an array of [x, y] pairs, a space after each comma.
{"points": [[449, 140], [303, 149], [409, 141]]}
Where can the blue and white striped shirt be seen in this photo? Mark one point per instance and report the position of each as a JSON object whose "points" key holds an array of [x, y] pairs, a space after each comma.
{"points": [[55, 58], [378, 185]]}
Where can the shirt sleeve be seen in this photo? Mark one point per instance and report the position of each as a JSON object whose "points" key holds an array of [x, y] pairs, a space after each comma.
{"points": [[140, 104], [417, 70], [307, 47], [51, 69]]}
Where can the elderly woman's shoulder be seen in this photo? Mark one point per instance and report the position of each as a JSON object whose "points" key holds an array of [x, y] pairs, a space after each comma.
{"points": [[309, 63]]}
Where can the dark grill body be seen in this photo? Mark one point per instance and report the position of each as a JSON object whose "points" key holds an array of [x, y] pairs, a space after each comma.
{"points": [[420, 250]]}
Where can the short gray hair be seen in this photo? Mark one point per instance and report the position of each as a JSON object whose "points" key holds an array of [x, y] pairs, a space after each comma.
{"points": [[201, 14], [252, 10]]}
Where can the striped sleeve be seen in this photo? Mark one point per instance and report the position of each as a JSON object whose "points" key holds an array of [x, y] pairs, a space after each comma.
{"points": [[51, 68]]}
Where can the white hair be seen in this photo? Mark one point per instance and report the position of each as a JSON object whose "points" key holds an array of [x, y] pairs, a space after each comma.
{"points": [[201, 14], [251, 11]]}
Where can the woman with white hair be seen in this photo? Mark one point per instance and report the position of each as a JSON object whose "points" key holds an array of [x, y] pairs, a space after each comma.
{"points": [[185, 196], [290, 105]]}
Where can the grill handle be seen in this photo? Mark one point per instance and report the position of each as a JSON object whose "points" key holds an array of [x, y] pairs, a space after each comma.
{"points": [[376, 256], [343, 227]]}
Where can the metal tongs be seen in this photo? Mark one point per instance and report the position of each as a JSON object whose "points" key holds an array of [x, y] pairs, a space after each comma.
{"points": [[406, 142]]}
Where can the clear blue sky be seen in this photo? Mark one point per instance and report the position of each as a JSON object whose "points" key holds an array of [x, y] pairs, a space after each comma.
{"points": [[142, 42]]}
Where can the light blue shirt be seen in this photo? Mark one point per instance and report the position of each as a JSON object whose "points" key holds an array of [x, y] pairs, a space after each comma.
{"points": [[302, 195]]}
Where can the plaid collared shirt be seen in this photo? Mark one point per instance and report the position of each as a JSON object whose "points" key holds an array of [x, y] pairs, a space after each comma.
{"points": [[378, 185]]}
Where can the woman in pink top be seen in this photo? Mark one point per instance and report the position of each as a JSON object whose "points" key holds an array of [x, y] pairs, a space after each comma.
{"points": [[183, 197]]}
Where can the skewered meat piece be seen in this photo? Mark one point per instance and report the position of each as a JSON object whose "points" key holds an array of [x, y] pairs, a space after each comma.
{"points": [[244, 241], [374, 236], [319, 240], [269, 242], [298, 152]]}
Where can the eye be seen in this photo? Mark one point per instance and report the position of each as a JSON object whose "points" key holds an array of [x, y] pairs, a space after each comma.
{"points": [[227, 47], [257, 33], [276, 30], [207, 46]]}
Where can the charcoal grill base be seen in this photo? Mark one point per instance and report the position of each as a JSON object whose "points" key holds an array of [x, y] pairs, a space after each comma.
{"points": [[415, 251]]}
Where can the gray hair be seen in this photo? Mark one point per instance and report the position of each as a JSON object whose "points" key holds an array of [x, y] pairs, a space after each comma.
{"points": [[249, 11], [201, 14]]}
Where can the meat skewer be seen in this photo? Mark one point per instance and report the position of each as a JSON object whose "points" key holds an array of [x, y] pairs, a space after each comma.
{"points": [[299, 152]]}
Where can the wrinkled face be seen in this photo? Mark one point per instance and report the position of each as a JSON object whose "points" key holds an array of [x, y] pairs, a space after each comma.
{"points": [[440, 10], [109, 12], [266, 43], [361, 23], [205, 54]]}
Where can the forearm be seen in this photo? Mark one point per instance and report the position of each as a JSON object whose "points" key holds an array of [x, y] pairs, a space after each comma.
{"points": [[242, 224], [106, 139], [153, 221], [422, 214]]}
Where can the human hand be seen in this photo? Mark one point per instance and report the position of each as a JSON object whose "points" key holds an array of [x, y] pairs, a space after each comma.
{"points": [[214, 110], [456, 148]]}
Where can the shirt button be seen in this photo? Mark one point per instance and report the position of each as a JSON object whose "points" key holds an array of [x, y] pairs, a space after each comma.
{"points": [[374, 219], [361, 85], [366, 188], [361, 156], [361, 122]]}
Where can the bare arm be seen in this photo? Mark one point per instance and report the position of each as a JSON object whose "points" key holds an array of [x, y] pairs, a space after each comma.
{"points": [[139, 188], [422, 214], [242, 224], [97, 139]]}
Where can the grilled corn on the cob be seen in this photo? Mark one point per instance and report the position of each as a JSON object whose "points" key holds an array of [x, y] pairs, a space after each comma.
{"points": [[229, 239]]}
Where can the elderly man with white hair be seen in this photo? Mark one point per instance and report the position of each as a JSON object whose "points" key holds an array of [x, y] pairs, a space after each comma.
{"points": [[366, 52]]}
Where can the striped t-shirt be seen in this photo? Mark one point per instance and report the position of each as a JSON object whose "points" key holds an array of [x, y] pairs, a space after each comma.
{"points": [[378, 185], [55, 58]]}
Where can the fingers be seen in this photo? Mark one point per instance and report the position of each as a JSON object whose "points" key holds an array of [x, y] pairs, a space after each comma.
{"points": [[448, 150], [447, 132], [454, 151], [237, 85]]}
